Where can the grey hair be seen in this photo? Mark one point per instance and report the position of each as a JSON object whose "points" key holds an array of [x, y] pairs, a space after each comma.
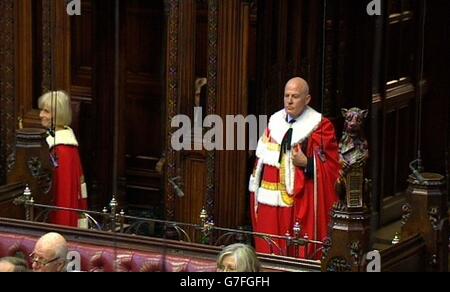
{"points": [[57, 242], [58, 102], [245, 255], [20, 264]]}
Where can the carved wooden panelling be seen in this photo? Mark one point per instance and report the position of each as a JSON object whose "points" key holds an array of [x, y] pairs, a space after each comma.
{"points": [[195, 174], [7, 85], [399, 144], [82, 51]]}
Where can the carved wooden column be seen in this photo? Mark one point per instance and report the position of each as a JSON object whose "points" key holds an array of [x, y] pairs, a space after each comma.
{"points": [[349, 239], [172, 85], [191, 166], [7, 87], [213, 19], [426, 213]]}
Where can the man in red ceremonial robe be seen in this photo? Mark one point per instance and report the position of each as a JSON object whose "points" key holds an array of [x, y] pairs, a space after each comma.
{"points": [[295, 174], [69, 187]]}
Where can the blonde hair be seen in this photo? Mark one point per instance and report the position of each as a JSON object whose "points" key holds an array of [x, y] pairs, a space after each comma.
{"points": [[245, 255], [58, 102]]}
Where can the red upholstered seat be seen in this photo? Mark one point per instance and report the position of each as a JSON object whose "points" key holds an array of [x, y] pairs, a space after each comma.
{"points": [[96, 258]]}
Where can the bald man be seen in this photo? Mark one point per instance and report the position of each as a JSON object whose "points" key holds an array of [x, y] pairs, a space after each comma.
{"points": [[50, 253], [295, 173]]}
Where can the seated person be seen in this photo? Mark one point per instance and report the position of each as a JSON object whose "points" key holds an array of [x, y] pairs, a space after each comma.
{"points": [[50, 253], [13, 264], [238, 257]]}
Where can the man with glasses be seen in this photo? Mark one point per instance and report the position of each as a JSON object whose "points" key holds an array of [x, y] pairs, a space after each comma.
{"points": [[49, 253]]}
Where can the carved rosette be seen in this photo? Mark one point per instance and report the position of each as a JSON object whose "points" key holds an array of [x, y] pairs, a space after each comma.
{"points": [[407, 210], [35, 166], [45, 182], [339, 265], [356, 252], [434, 216]]}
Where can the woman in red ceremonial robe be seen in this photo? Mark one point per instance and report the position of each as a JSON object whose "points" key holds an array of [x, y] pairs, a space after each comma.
{"points": [[295, 174], [69, 187]]}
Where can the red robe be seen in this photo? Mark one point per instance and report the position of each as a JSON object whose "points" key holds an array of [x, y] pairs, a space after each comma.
{"points": [[284, 194], [68, 178]]}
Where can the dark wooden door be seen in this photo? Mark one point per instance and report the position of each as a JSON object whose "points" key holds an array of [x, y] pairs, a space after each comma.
{"points": [[139, 121], [141, 103]]}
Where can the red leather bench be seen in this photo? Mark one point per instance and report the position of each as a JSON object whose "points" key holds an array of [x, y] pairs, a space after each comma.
{"points": [[107, 252], [107, 259]]}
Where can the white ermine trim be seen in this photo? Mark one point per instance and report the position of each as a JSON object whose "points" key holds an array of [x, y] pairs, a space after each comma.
{"points": [[267, 156], [271, 198], [304, 126], [62, 137], [255, 179], [289, 174]]}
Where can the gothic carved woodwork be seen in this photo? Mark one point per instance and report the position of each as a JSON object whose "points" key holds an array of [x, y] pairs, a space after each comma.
{"points": [[42, 176], [224, 96], [427, 215], [32, 166], [7, 86], [48, 37], [435, 218], [213, 7], [11, 161], [172, 9], [338, 265], [349, 237], [406, 213]]}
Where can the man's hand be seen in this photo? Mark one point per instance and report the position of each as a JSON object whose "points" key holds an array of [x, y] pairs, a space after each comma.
{"points": [[299, 159]]}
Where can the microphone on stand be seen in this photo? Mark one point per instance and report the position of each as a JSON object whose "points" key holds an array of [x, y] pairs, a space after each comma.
{"points": [[416, 171], [178, 191]]}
